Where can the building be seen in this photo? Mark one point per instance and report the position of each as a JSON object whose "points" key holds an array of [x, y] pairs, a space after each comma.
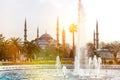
{"points": [[46, 40], [107, 57]]}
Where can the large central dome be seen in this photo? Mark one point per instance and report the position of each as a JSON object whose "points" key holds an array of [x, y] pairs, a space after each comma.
{"points": [[45, 37], [44, 40]]}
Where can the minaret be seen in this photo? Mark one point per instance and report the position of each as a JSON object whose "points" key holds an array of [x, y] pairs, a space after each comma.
{"points": [[94, 39], [63, 37], [97, 35], [25, 31], [57, 31], [37, 32]]}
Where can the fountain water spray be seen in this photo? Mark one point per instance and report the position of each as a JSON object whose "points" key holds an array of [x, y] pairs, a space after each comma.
{"points": [[81, 42], [94, 65], [81, 51], [58, 64], [64, 71]]}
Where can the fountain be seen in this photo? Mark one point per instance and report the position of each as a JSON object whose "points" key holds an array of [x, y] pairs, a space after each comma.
{"points": [[80, 64], [64, 71], [94, 66], [58, 64], [80, 47], [91, 71]]}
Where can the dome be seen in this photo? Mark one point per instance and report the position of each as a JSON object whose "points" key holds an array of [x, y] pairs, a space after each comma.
{"points": [[45, 37]]}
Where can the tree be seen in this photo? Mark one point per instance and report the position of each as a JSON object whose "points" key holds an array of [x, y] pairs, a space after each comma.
{"points": [[14, 47], [114, 48], [31, 49], [6, 54], [2, 50], [73, 29], [51, 52], [91, 49]]}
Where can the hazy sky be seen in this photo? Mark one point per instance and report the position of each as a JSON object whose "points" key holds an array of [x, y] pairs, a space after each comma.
{"points": [[43, 13]]}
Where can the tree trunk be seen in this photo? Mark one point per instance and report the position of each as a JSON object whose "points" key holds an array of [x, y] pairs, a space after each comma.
{"points": [[115, 59], [73, 44]]}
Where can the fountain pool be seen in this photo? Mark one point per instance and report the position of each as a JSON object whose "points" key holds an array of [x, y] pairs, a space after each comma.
{"points": [[36, 72], [58, 71]]}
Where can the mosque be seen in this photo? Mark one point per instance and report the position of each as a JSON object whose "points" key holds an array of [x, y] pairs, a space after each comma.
{"points": [[46, 39]]}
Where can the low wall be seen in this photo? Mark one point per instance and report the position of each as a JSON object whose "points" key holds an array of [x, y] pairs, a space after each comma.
{"points": [[50, 66], [110, 66]]}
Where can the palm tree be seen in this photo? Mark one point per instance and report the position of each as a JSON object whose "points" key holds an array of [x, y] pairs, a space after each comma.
{"points": [[5, 52], [73, 29], [31, 49], [2, 46], [14, 47], [4, 49]]}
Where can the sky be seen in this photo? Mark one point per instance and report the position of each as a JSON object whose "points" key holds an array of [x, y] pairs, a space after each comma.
{"points": [[44, 13]]}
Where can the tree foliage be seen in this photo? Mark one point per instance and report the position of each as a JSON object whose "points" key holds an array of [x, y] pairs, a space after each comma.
{"points": [[73, 28], [14, 48], [91, 49], [31, 49], [114, 48]]}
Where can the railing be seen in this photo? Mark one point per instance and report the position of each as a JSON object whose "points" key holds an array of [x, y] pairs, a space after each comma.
{"points": [[12, 67], [110, 66], [52, 66]]}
